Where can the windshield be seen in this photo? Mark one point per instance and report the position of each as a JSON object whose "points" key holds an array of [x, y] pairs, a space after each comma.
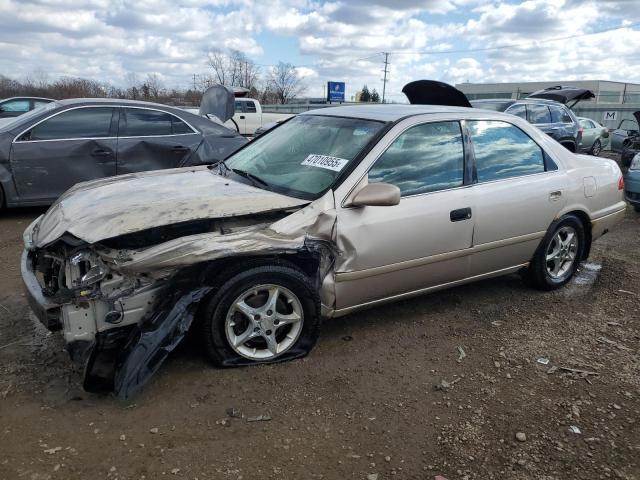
{"points": [[304, 156], [26, 116]]}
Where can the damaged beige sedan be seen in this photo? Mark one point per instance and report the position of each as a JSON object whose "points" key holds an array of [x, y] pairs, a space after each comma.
{"points": [[333, 211]]}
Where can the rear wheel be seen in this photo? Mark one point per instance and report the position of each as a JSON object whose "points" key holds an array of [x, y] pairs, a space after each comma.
{"points": [[596, 148], [261, 315], [558, 255], [1, 198]]}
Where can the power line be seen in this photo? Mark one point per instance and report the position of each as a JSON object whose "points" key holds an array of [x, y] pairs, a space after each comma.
{"points": [[517, 45]]}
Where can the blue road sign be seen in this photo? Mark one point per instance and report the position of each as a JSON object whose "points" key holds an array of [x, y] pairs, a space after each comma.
{"points": [[335, 91]]}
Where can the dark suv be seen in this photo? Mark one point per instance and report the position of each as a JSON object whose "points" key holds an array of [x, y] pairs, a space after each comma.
{"points": [[551, 117]]}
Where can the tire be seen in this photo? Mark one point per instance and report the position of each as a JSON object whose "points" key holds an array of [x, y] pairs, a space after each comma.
{"points": [[549, 273], [636, 208], [596, 148], [1, 198], [233, 338]]}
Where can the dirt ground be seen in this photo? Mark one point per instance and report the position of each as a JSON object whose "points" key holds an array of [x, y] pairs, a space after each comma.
{"points": [[387, 393]]}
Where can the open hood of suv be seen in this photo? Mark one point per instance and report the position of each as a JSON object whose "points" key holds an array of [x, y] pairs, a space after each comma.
{"points": [[637, 116], [563, 94], [431, 92]]}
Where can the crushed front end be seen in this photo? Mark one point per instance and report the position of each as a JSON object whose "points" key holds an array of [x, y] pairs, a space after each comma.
{"points": [[78, 289]]}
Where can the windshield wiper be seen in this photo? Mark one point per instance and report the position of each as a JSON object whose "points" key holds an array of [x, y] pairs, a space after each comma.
{"points": [[250, 176]]}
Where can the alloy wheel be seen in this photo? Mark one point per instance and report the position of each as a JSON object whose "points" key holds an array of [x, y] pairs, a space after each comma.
{"points": [[264, 321], [597, 148], [561, 253]]}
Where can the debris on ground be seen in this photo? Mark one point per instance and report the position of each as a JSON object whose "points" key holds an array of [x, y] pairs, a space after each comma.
{"points": [[608, 341], [154, 430], [578, 370], [461, 354], [444, 385], [543, 360], [259, 418], [574, 429], [234, 412], [521, 436]]}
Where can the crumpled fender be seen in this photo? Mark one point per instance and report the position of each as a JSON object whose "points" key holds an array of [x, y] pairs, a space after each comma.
{"points": [[157, 337]]}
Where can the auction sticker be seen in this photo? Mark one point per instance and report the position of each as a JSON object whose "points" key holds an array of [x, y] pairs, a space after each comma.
{"points": [[325, 161]]}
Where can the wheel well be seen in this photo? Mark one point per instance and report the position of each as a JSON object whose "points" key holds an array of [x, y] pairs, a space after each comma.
{"points": [[586, 223], [217, 271]]}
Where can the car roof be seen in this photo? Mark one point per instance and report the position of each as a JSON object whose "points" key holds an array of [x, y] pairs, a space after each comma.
{"points": [[117, 101], [27, 98], [384, 113]]}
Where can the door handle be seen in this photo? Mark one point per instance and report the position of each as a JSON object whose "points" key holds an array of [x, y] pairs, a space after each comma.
{"points": [[101, 153], [180, 149], [241, 117], [555, 195], [460, 214]]}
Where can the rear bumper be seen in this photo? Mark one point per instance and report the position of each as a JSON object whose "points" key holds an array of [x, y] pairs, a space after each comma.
{"points": [[47, 312], [602, 225], [632, 187]]}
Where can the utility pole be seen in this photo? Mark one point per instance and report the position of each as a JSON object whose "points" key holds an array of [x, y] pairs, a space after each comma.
{"points": [[384, 80], [194, 82]]}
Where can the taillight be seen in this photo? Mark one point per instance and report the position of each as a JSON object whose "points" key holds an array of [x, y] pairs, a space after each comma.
{"points": [[621, 183]]}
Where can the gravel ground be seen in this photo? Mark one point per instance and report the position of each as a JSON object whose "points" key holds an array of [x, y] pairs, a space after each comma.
{"points": [[387, 393]]}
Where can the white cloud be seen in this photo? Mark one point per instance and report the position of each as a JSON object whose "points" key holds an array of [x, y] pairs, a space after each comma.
{"points": [[339, 39]]}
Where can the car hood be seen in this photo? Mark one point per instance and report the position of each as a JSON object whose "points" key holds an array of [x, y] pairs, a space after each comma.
{"points": [[106, 208]]}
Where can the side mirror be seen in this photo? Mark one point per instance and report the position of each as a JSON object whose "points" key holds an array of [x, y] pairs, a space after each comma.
{"points": [[377, 195]]}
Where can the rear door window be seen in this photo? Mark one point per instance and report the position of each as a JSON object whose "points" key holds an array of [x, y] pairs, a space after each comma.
{"points": [[425, 158], [239, 105], [251, 107], [140, 122], [538, 114], [503, 151], [72, 124], [560, 115]]}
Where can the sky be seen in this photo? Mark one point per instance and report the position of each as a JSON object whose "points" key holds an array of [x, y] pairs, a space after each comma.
{"points": [[448, 40]]}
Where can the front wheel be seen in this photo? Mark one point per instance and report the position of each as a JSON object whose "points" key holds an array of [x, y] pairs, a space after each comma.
{"points": [[264, 314], [596, 148], [558, 255]]}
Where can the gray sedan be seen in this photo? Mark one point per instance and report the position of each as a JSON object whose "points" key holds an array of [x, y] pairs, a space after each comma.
{"points": [[46, 151]]}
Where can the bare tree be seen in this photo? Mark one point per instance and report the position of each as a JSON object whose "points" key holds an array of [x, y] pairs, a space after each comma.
{"points": [[285, 81], [153, 85], [131, 82], [233, 70]]}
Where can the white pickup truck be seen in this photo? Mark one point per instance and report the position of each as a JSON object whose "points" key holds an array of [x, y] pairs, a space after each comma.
{"points": [[249, 116]]}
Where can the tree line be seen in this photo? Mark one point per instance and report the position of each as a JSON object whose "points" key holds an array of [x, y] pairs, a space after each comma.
{"points": [[278, 84]]}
